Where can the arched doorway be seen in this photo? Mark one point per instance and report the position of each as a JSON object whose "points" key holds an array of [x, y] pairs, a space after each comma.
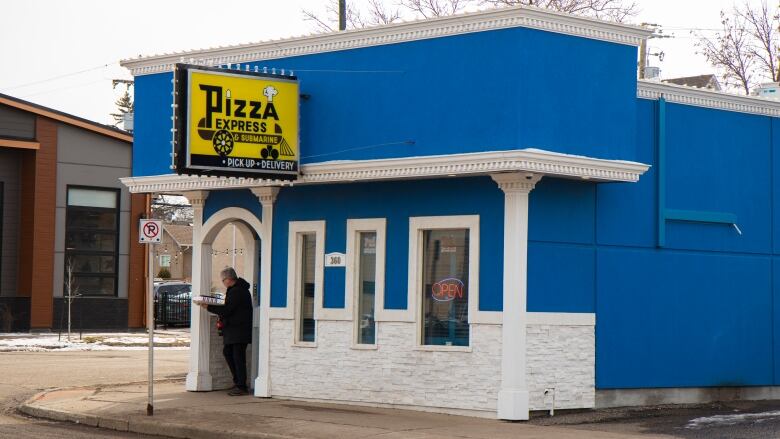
{"points": [[205, 351]]}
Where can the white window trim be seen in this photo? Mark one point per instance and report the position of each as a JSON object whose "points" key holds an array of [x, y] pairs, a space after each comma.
{"points": [[416, 226], [355, 226], [292, 310]]}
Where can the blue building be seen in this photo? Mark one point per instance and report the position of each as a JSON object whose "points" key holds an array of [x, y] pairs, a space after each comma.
{"points": [[519, 218]]}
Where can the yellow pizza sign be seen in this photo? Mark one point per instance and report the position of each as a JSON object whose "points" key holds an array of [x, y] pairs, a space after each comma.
{"points": [[231, 122]]}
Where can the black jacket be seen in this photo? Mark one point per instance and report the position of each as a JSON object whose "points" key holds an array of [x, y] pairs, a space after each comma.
{"points": [[236, 314]]}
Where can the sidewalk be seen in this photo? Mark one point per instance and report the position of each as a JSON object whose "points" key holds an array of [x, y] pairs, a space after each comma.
{"points": [[183, 414]]}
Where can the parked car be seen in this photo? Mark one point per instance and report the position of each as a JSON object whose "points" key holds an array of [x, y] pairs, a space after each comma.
{"points": [[171, 287], [172, 302]]}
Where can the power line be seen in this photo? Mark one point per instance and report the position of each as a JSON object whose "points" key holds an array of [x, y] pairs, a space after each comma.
{"points": [[691, 28], [84, 84], [59, 77]]}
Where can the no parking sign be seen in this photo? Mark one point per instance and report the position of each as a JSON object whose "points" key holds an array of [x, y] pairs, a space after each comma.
{"points": [[150, 232]]}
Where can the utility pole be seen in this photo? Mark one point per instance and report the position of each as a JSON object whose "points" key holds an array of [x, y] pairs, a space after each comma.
{"points": [[643, 50], [342, 15]]}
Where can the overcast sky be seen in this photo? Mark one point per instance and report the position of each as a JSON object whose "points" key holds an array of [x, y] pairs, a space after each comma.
{"points": [[64, 54]]}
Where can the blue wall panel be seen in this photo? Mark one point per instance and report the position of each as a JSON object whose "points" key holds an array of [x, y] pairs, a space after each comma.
{"points": [[218, 200], [447, 95], [561, 278], [562, 211], [152, 134], [335, 241], [719, 161], [775, 190], [626, 212], [396, 201], [680, 319], [775, 325]]}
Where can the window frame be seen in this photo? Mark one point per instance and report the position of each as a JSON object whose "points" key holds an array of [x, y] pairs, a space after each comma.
{"points": [[354, 228], [417, 225], [169, 261], [117, 211], [294, 267]]}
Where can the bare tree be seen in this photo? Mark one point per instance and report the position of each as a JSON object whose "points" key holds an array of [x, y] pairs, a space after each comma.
{"points": [[434, 8], [71, 288], [763, 26], [380, 14], [375, 12], [172, 210], [746, 47], [731, 51], [614, 10]]}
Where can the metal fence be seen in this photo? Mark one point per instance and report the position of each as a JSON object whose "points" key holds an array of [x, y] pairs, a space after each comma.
{"points": [[172, 309]]}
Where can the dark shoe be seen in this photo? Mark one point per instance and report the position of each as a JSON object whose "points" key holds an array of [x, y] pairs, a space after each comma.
{"points": [[238, 391]]}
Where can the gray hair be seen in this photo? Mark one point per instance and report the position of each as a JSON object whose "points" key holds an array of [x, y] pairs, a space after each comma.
{"points": [[228, 273]]}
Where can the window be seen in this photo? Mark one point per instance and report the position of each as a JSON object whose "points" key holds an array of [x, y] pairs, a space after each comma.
{"points": [[305, 274], [165, 260], [366, 287], [445, 280], [91, 240], [306, 322], [365, 280]]}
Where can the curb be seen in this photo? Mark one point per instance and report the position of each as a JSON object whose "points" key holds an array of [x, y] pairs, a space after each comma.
{"points": [[135, 424]]}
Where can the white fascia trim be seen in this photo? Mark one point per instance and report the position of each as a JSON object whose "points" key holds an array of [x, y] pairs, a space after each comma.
{"points": [[354, 226], [468, 164], [699, 97], [560, 319], [492, 19]]}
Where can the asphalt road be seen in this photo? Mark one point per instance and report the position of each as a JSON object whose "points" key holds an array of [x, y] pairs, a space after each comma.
{"points": [[725, 420], [23, 374]]}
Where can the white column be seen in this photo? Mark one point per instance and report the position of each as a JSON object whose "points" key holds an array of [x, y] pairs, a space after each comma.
{"points": [[267, 197], [199, 375], [513, 395]]}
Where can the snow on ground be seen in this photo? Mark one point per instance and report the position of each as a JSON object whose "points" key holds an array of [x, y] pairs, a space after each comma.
{"points": [[91, 341], [721, 420]]}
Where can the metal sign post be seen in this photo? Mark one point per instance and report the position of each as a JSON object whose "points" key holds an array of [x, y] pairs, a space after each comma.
{"points": [[150, 327], [150, 233]]}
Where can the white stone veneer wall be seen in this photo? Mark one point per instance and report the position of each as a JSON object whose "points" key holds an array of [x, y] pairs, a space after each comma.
{"points": [[394, 373], [562, 357], [400, 373]]}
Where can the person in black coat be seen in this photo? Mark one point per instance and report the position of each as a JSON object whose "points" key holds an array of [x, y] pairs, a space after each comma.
{"points": [[236, 316]]}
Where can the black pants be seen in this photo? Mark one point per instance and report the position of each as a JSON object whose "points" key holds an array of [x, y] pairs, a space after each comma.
{"points": [[235, 355]]}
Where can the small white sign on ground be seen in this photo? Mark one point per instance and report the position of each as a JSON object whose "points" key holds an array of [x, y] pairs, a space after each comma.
{"points": [[150, 231]]}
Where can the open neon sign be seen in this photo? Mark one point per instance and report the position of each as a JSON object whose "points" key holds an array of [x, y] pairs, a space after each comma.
{"points": [[447, 290]]}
